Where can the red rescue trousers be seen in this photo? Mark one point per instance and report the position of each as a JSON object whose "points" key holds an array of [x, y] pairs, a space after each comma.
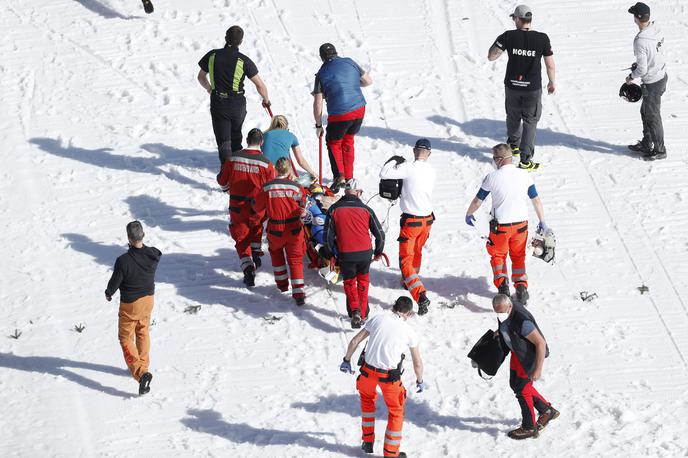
{"points": [[528, 397], [293, 244], [246, 228], [509, 239], [356, 283], [394, 395], [134, 320], [414, 232]]}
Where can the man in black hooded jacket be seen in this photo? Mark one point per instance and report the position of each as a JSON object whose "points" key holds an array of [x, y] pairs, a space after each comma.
{"points": [[528, 346], [134, 276]]}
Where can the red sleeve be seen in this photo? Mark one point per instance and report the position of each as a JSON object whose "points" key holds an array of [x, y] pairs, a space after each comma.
{"points": [[270, 172], [225, 175]]}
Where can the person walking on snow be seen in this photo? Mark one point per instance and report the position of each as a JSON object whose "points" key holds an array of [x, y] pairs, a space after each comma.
{"points": [[417, 216], [134, 276], [521, 334], [284, 200], [278, 141], [339, 82], [348, 225], [390, 337], [227, 69], [243, 176], [650, 67], [523, 82], [510, 189]]}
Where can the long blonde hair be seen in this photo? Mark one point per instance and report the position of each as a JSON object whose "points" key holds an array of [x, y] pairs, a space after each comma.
{"points": [[279, 122]]}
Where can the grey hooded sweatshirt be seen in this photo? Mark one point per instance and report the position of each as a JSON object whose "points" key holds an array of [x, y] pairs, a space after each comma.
{"points": [[647, 47]]}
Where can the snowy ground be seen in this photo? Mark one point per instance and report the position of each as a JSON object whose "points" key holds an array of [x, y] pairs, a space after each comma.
{"points": [[103, 122]]}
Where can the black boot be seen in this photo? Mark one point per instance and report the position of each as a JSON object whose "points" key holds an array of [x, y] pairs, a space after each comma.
{"points": [[504, 288], [147, 6], [654, 155], [367, 447], [300, 301], [640, 147], [256, 260], [522, 295], [356, 320], [144, 383], [250, 276], [522, 433], [423, 303]]}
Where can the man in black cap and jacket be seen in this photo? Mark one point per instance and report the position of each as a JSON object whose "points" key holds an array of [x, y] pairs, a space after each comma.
{"points": [[134, 276], [528, 346]]}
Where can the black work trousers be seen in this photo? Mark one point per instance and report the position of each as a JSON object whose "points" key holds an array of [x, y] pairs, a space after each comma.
{"points": [[228, 117], [523, 111], [653, 130]]}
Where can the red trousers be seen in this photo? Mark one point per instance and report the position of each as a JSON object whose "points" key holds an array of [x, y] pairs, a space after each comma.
{"points": [[528, 397], [294, 246], [414, 232], [356, 283], [394, 395], [246, 228], [340, 141], [509, 239]]}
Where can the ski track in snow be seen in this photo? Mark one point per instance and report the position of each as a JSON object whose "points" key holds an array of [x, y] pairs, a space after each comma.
{"points": [[104, 122]]}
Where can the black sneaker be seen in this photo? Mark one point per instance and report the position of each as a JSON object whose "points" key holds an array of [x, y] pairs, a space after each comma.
{"points": [[256, 260], [144, 383], [367, 447], [654, 155], [401, 455], [530, 166], [250, 276], [147, 6], [523, 433], [544, 418], [504, 288], [522, 295], [300, 301], [356, 320], [640, 147], [423, 303], [338, 184]]}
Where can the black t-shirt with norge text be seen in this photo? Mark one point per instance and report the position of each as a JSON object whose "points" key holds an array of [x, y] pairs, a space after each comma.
{"points": [[526, 49]]}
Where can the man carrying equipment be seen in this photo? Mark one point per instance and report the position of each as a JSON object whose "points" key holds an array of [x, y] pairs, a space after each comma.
{"points": [[348, 226], [650, 67], [339, 82], [243, 176], [523, 82], [528, 347], [390, 337], [284, 200], [134, 276], [416, 217], [510, 188], [228, 68]]}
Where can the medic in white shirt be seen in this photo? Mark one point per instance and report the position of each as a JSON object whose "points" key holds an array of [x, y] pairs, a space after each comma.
{"points": [[417, 215]]}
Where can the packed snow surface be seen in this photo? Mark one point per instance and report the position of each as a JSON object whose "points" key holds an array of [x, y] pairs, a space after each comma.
{"points": [[103, 122]]}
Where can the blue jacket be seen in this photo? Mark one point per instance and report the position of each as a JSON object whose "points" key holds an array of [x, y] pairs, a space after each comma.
{"points": [[339, 80]]}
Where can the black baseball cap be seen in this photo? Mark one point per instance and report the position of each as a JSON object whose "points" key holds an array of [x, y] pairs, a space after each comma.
{"points": [[639, 9], [423, 143], [327, 51]]}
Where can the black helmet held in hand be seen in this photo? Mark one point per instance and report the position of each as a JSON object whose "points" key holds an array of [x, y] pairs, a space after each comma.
{"points": [[630, 92]]}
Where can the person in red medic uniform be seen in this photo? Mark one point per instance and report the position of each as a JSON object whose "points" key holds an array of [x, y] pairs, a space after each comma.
{"points": [[243, 176], [284, 201], [348, 225], [339, 81]]}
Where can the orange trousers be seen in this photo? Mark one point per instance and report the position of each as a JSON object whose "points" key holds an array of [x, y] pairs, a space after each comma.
{"points": [[394, 395], [413, 233], [508, 239], [134, 320]]}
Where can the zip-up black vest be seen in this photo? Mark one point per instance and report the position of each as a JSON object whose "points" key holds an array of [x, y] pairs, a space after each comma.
{"points": [[522, 347]]}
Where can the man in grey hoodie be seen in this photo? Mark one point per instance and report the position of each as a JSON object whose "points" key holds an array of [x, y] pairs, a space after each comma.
{"points": [[650, 67]]}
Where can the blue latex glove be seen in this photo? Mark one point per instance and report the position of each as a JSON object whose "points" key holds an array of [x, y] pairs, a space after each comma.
{"points": [[470, 219], [346, 367], [422, 386], [542, 227]]}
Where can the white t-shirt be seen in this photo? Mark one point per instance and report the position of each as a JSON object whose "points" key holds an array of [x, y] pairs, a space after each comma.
{"points": [[419, 181], [508, 187], [390, 337]]}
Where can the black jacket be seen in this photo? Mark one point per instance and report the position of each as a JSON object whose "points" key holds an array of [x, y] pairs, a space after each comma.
{"points": [[134, 274], [522, 347]]}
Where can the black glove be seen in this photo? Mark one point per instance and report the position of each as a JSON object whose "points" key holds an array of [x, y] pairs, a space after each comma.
{"points": [[397, 159]]}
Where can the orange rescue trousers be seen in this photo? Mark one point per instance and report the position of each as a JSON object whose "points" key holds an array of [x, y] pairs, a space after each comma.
{"points": [[508, 239], [134, 319], [414, 232], [394, 395], [246, 229]]}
